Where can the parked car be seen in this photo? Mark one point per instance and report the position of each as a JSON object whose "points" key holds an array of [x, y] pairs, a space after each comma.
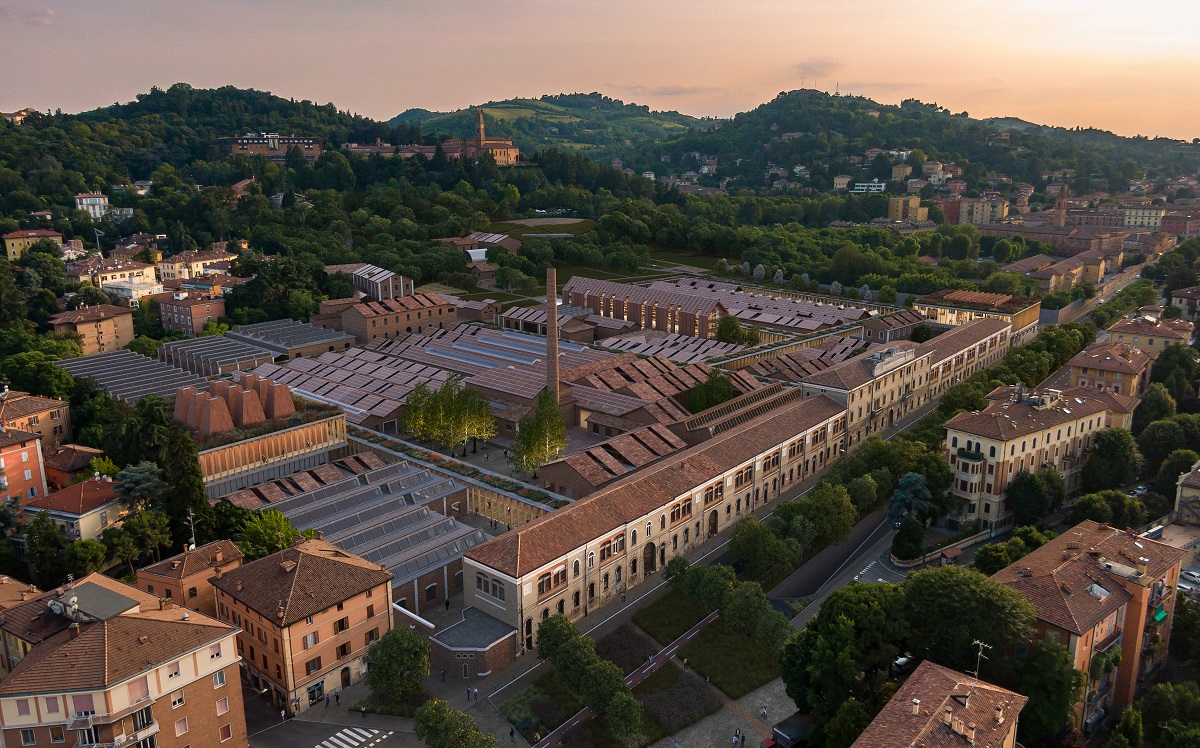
{"points": [[790, 733], [902, 665], [1191, 576], [1186, 588]]}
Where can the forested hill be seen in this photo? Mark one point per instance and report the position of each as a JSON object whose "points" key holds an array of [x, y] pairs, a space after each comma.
{"points": [[822, 132], [591, 124]]}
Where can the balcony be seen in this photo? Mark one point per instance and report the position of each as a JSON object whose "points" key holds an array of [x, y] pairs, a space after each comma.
{"points": [[1113, 640], [963, 454]]}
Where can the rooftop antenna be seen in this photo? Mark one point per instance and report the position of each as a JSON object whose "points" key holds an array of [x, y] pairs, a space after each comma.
{"points": [[979, 658], [191, 519]]}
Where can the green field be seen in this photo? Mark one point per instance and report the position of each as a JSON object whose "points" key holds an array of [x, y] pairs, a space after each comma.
{"points": [[520, 229], [735, 664], [669, 617]]}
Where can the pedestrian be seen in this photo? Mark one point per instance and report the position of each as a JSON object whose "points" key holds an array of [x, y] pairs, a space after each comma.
{"points": [[443, 672], [622, 598], [468, 694], [447, 605], [477, 694], [512, 731], [282, 714], [735, 739], [337, 698], [706, 679], [763, 713], [537, 738], [326, 701], [363, 711]]}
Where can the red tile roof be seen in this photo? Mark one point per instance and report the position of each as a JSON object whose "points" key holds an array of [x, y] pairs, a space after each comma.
{"points": [[79, 499], [216, 553]]}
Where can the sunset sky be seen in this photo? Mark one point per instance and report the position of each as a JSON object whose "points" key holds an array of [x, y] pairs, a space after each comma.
{"points": [[1130, 68]]}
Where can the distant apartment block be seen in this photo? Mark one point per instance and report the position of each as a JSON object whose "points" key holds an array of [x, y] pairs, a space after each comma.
{"points": [[669, 311], [101, 271], [907, 209], [82, 511], [189, 315], [103, 327], [187, 577], [16, 242], [271, 146], [95, 204], [47, 417], [1150, 334], [1115, 367], [22, 472], [193, 264], [955, 307]]}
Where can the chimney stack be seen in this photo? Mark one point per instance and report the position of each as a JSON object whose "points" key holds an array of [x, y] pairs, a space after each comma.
{"points": [[948, 716], [74, 629], [999, 714], [916, 705], [552, 333], [971, 733]]}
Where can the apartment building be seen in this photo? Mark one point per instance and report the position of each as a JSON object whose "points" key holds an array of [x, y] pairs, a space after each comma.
{"points": [[100, 271], [272, 146], [955, 307], [1150, 334], [888, 327], [103, 327], [16, 242], [193, 264], [22, 473], [1115, 367], [187, 577], [99, 663], [189, 315], [1108, 596], [980, 211], [878, 389], [1022, 431], [907, 208], [306, 617], [937, 706], [95, 204], [82, 511], [391, 318], [1187, 299], [1144, 217], [47, 417], [592, 551], [960, 352]]}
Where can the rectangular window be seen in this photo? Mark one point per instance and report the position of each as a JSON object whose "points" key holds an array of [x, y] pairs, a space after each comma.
{"points": [[173, 670], [226, 732], [218, 679], [214, 652], [52, 706], [370, 611], [222, 706], [139, 689], [341, 625], [312, 666], [181, 726], [27, 737], [23, 707], [310, 640], [83, 705], [372, 636], [58, 734], [177, 699], [343, 651]]}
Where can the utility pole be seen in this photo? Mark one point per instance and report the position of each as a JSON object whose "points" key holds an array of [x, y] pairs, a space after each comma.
{"points": [[99, 234]]}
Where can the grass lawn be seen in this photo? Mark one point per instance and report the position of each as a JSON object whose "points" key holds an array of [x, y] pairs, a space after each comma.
{"points": [[675, 699], [670, 616], [520, 229], [628, 646], [489, 294], [541, 707], [733, 663], [684, 258]]}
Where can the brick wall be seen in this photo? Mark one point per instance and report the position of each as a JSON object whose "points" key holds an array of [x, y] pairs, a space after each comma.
{"points": [[459, 664]]}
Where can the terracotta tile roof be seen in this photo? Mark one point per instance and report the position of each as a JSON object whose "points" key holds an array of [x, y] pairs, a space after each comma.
{"points": [[90, 314], [897, 320], [855, 372], [1192, 292], [31, 234], [1005, 418], [623, 454], [1080, 577], [13, 592], [532, 546], [79, 499], [399, 304], [193, 562], [108, 652], [933, 689], [301, 581], [991, 302], [30, 622], [9, 437], [1112, 357], [22, 404], [681, 300], [1163, 328], [958, 339], [190, 256]]}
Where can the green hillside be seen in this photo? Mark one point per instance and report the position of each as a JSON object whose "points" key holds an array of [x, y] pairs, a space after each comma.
{"points": [[591, 124]]}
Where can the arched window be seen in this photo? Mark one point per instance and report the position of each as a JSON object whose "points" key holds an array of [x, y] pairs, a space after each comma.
{"points": [[591, 560], [662, 522], [674, 542], [649, 526], [618, 573], [686, 534], [992, 452], [604, 587], [591, 591], [545, 613], [562, 607], [575, 599], [633, 541], [632, 567], [576, 567]]}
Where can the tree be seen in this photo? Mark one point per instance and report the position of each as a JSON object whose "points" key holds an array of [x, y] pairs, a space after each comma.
{"points": [[541, 436], [829, 510], [267, 532], [623, 714], [729, 330], [922, 332], [863, 494], [552, 633], [399, 663], [84, 557], [950, 607], [1114, 460], [44, 550], [1091, 506], [992, 558], [35, 372], [1049, 678], [887, 295], [101, 465], [1177, 368], [847, 724], [87, 295], [1156, 405], [188, 499], [122, 546], [710, 584], [714, 391], [1177, 463], [1130, 728], [909, 540], [757, 550], [150, 530], [439, 726], [1167, 704], [1031, 496], [141, 487], [675, 573], [910, 499], [143, 345]]}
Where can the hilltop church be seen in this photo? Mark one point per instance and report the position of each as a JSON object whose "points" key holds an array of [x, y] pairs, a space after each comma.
{"points": [[502, 149]]}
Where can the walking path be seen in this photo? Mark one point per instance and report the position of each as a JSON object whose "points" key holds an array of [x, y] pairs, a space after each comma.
{"points": [[631, 680]]}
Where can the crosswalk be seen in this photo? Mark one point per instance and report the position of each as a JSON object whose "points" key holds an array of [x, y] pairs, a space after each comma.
{"points": [[354, 737]]}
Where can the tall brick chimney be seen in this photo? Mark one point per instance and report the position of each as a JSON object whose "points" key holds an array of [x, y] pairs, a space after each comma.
{"points": [[552, 333]]}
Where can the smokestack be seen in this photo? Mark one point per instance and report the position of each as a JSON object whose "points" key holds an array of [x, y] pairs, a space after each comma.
{"points": [[552, 333]]}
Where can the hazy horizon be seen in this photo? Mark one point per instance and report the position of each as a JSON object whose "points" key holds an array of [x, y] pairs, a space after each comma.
{"points": [[1087, 64]]}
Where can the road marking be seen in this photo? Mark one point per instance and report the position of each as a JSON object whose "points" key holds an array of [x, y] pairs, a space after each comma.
{"points": [[352, 737]]}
